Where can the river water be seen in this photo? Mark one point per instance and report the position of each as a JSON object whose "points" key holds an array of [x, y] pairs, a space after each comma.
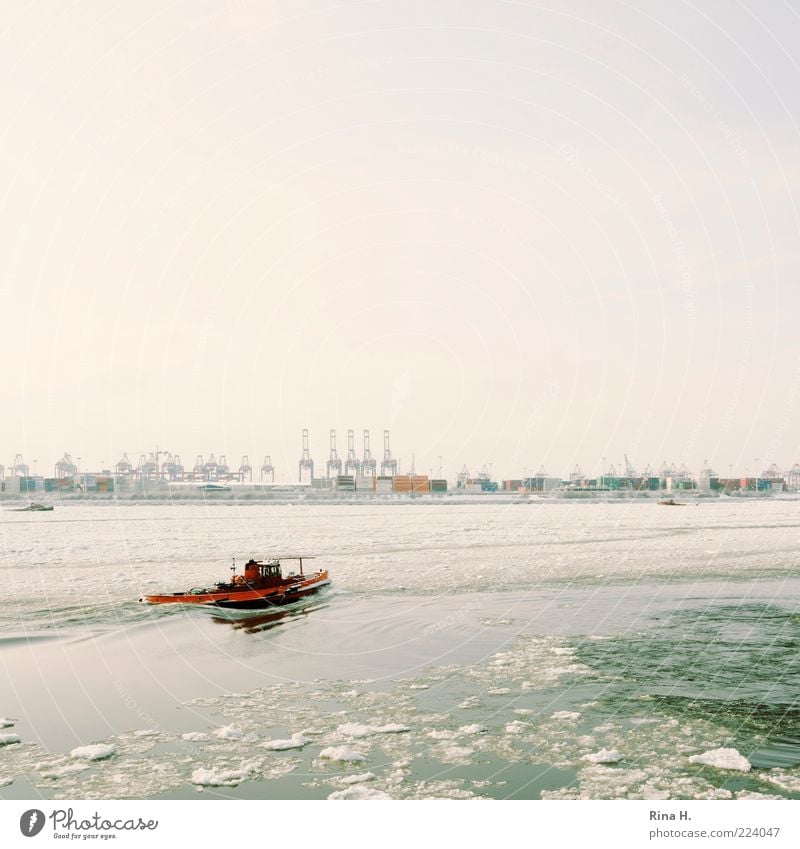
{"points": [[543, 650]]}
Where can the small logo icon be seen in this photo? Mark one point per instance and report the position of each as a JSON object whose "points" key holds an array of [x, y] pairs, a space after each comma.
{"points": [[31, 822]]}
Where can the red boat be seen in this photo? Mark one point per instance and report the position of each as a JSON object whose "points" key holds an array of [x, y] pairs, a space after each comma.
{"points": [[262, 585]]}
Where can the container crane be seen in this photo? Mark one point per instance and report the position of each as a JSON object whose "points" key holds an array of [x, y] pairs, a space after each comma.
{"points": [[306, 463], [334, 465], [368, 464], [388, 464], [351, 464]]}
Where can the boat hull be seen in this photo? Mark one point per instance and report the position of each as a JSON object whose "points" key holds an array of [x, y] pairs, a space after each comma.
{"points": [[246, 598]]}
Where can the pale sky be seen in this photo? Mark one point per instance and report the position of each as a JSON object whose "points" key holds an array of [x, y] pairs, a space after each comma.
{"points": [[515, 233]]}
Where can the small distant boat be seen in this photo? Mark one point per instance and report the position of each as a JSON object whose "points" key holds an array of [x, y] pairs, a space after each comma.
{"points": [[262, 585], [671, 502], [34, 507]]}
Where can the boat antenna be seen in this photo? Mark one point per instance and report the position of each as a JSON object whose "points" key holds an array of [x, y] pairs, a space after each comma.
{"points": [[233, 568]]}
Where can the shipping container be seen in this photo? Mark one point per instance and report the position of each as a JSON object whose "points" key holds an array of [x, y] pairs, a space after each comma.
{"points": [[401, 483], [29, 484], [420, 483]]}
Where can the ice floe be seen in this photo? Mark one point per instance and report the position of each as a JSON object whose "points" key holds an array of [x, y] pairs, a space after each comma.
{"points": [[63, 770], [455, 754], [342, 753], [359, 792], [296, 741], [217, 777], [94, 752], [604, 756], [229, 732], [357, 779], [723, 759], [8, 739], [356, 729]]}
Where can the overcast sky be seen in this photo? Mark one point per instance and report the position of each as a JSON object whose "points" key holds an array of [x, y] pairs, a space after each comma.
{"points": [[515, 233]]}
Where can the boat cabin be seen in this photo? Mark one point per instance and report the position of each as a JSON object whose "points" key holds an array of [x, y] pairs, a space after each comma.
{"points": [[269, 573], [262, 573]]}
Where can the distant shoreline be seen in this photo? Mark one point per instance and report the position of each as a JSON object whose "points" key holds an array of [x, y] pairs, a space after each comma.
{"points": [[9, 500]]}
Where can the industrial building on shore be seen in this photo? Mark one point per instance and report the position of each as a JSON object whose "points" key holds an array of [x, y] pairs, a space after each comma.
{"points": [[161, 473]]}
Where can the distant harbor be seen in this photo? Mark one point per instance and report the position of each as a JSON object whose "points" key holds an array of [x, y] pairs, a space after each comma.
{"points": [[160, 474]]}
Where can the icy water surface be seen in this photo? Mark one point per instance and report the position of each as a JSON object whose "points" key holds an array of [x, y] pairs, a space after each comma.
{"points": [[547, 650]]}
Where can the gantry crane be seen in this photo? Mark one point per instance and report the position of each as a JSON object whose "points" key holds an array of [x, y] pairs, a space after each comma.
{"points": [[368, 464], [351, 464], [334, 465], [306, 463], [388, 464]]}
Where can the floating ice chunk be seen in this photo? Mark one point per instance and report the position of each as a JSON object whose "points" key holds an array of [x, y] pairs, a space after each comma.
{"points": [[723, 759], [566, 714], [516, 727], [8, 739], [499, 691], [342, 753], [454, 754], [604, 756], [95, 752], [473, 729], [359, 792], [6, 723], [296, 741], [418, 687], [781, 778], [147, 732], [194, 736], [442, 734], [358, 779], [356, 729], [229, 732], [62, 771], [4, 782], [224, 777]]}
